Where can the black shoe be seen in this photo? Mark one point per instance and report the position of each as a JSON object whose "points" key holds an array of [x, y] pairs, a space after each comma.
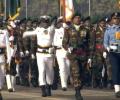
{"points": [[78, 97], [17, 80], [54, 87], [1, 97], [43, 89], [117, 94], [48, 90], [78, 94], [35, 85], [10, 90], [64, 89]]}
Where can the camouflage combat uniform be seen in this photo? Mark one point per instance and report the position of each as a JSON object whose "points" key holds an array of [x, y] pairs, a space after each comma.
{"points": [[97, 57], [77, 42]]}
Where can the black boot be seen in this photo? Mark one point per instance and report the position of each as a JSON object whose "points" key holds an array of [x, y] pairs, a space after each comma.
{"points": [[48, 90], [18, 80], [43, 89], [78, 94], [1, 97]]}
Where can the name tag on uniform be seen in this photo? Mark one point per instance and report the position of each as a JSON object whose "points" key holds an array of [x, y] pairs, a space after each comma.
{"points": [[117, 35]]}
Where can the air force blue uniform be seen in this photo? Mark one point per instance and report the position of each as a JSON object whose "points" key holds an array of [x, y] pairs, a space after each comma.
{"points": [[113, 44]]}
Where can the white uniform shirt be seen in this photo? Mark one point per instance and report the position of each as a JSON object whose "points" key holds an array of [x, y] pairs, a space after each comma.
{"points": [[58, 38], [44, 36], [2, 45]]}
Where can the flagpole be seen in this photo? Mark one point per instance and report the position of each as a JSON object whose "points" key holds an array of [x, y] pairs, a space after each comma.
{"points": [[89, 7], [26, 9], [64, 17], [5, 10], [60, 7]]}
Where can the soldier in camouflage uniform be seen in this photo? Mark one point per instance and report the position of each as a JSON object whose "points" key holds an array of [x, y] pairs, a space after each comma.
{"points": [[98, 62], [24, 70], [77, 42], [21, 78], [33, 67], [30, 46], [87, 75]]}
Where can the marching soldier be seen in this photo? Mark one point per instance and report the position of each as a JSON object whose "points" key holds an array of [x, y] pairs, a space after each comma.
{"points": [[2, 58], [6, 58], [61, 53], [109, 67], [88, 26], [112, 46], [76, 41], [27, 48], [97, 55], [11, 51], [45, 34], [21, 78]]}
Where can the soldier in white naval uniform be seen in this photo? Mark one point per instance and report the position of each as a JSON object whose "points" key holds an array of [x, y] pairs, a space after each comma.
{"points": [[2, 58], [61, 53], [11, 50], [5, 46], [45, 35]]}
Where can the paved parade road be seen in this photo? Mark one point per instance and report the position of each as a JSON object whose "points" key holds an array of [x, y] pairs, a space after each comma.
{"points": [[24, 93]]}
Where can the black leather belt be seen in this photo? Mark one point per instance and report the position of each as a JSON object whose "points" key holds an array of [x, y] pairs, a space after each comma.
{"points": [[58, 48], [44, 47], [2, 50]]}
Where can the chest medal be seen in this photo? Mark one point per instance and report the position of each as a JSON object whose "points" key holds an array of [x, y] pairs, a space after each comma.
{"points": [[46, 32]]}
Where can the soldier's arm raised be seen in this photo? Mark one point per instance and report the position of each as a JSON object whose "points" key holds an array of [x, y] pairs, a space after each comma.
{"points": [[28, 33]]}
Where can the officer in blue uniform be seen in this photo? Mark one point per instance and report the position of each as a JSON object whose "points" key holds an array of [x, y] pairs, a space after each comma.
{"points": [[112, 45]]}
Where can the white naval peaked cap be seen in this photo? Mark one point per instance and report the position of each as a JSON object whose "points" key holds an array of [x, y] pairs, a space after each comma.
{"points": [[45, 17], [60, 18]]}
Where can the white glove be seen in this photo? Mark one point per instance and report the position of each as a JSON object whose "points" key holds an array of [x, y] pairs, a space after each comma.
{"points": [[27, 52], [104, 55], [21, 54], [32, 56], [70, 49], [8, 61], [65, 25], [11, 38], [90, 62], [108, 49]]}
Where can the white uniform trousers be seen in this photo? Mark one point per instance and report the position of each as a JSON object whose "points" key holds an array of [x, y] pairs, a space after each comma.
{"points": [[2, 74], [64, 66], [45, 68], [11, 80]]}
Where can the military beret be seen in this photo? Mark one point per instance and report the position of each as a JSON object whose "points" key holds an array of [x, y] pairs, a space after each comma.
{"points": [[87, 18], [76, 14], [45, 17], [115, 15]]}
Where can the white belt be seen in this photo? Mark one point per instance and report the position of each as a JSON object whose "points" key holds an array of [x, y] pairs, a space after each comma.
{"points": [[114, 48], [43, 50]]}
